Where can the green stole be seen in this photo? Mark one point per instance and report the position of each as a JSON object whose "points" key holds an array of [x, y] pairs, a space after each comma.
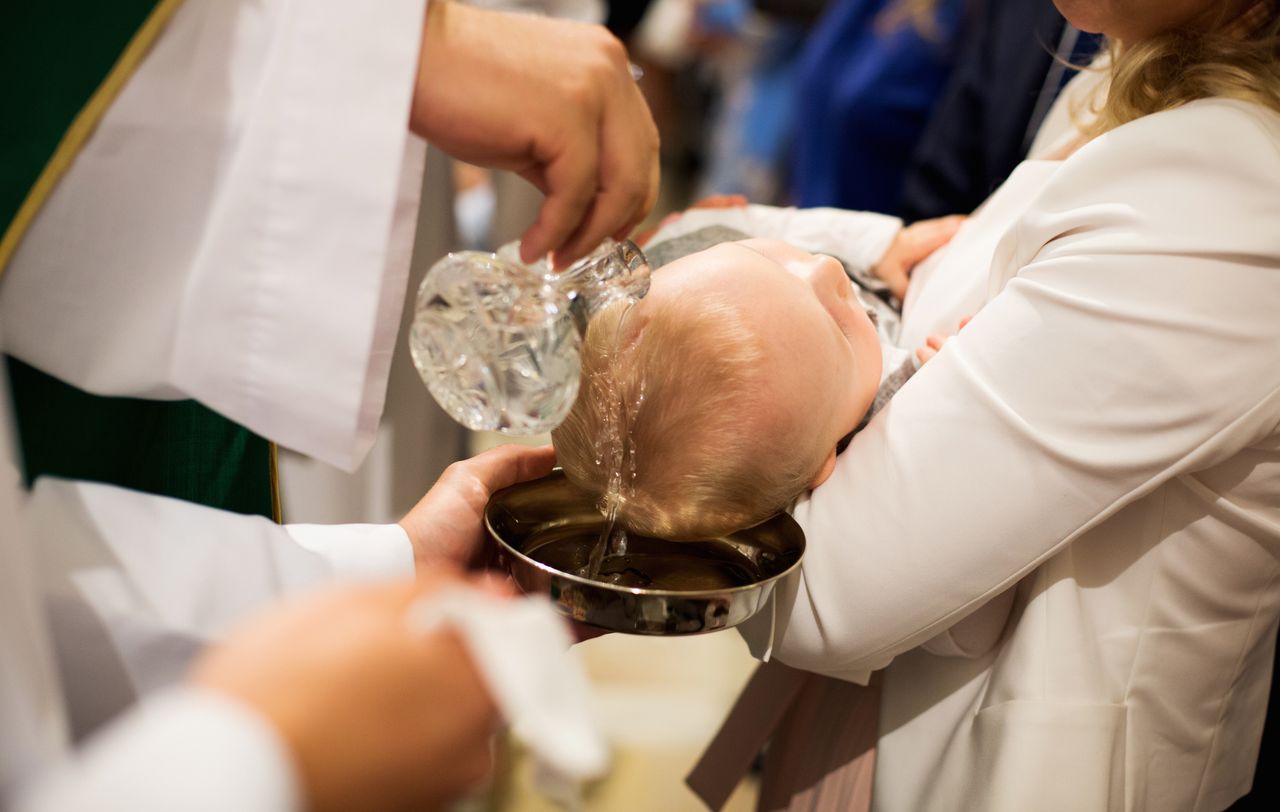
{"points": [[64, 62]]}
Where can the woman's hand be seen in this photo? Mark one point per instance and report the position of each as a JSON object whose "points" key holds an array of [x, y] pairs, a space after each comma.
{"points": [[374, 715], [910, 247], [447, 526], [933, 344], [552, 100], [931, 347]]}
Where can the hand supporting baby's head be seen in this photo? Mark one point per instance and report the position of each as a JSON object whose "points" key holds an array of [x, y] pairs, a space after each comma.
{"points": [[709, 454]]}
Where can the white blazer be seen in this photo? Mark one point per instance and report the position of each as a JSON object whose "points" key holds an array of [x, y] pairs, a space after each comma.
{"points": [[1105, 436]]}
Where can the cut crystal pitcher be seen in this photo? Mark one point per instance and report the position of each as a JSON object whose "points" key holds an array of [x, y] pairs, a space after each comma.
{"points": [[498, 341]]}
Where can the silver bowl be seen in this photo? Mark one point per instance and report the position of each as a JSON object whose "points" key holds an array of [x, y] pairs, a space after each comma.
{"points": [[520, 519]]}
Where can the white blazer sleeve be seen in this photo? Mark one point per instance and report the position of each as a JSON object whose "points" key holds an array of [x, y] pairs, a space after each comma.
{"points": [[225, 233], [187, 750], [1136, 343]]}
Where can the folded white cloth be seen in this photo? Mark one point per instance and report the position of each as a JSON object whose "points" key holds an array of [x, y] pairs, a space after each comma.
{"points": [[521, 647]]}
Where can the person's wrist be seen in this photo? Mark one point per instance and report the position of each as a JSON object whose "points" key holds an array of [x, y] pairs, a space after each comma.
{"points": [[432, 552], [421, 556], [435, 23]]}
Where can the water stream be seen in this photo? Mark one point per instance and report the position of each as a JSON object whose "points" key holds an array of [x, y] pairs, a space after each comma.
{"points": [[615, 455]]}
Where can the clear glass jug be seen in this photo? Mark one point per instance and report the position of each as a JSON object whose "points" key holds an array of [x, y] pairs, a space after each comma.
{"points": [[498, 341]]}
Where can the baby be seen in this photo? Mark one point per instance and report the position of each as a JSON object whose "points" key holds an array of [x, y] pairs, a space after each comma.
{"points": [[739, 374]]}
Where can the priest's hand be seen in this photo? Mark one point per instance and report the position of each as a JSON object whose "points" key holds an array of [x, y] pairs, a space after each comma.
{"points": [[374, 716], [447, 526], [552, 100]]}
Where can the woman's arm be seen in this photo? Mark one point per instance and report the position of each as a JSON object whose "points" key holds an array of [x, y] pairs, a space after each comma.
{"points": [[1136, 343]]}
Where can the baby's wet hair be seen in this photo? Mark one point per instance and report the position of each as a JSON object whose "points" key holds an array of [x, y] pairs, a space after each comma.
{"points": [[704, 463]]}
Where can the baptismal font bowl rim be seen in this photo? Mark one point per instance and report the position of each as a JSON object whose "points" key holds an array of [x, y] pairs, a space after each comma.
{"points": [[778, 538]]}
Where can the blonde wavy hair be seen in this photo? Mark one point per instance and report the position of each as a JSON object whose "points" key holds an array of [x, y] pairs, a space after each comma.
{"points": [[700, 462], [1234, 53]]}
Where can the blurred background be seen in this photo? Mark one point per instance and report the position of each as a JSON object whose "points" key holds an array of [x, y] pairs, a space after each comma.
{"points": [[917, 108]]}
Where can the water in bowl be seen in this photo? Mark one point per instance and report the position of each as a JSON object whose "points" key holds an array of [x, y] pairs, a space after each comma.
{"points": [[646, 563]]}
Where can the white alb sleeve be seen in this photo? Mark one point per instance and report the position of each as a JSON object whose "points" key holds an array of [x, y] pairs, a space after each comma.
{"points": [[587, 11], [358, 551], [192, 566], [135, 585], [186, 749]]}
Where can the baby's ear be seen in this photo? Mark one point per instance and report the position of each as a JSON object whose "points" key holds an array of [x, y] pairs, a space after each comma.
{"points": [[828, 467]]}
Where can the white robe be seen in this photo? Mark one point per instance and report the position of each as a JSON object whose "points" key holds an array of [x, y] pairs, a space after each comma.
{"points": [[233, 249], [224, 234], [105, 596]]}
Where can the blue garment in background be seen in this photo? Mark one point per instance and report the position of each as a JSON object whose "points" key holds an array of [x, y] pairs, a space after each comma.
{"points": [[1004, 81], [750, 127], [863, 97]]}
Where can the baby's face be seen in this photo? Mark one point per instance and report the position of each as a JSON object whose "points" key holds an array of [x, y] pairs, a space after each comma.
{"points": [[822, 363]]}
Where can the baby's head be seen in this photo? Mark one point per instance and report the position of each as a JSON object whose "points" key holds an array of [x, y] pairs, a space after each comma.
{"points": [[739, 372]]}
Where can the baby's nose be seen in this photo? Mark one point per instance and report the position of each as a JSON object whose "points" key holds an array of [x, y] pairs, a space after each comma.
{"points": [[831, 271]]}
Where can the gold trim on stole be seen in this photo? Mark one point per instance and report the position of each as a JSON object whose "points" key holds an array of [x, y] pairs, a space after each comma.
{"points": [[273, 463], [85, 121]]}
